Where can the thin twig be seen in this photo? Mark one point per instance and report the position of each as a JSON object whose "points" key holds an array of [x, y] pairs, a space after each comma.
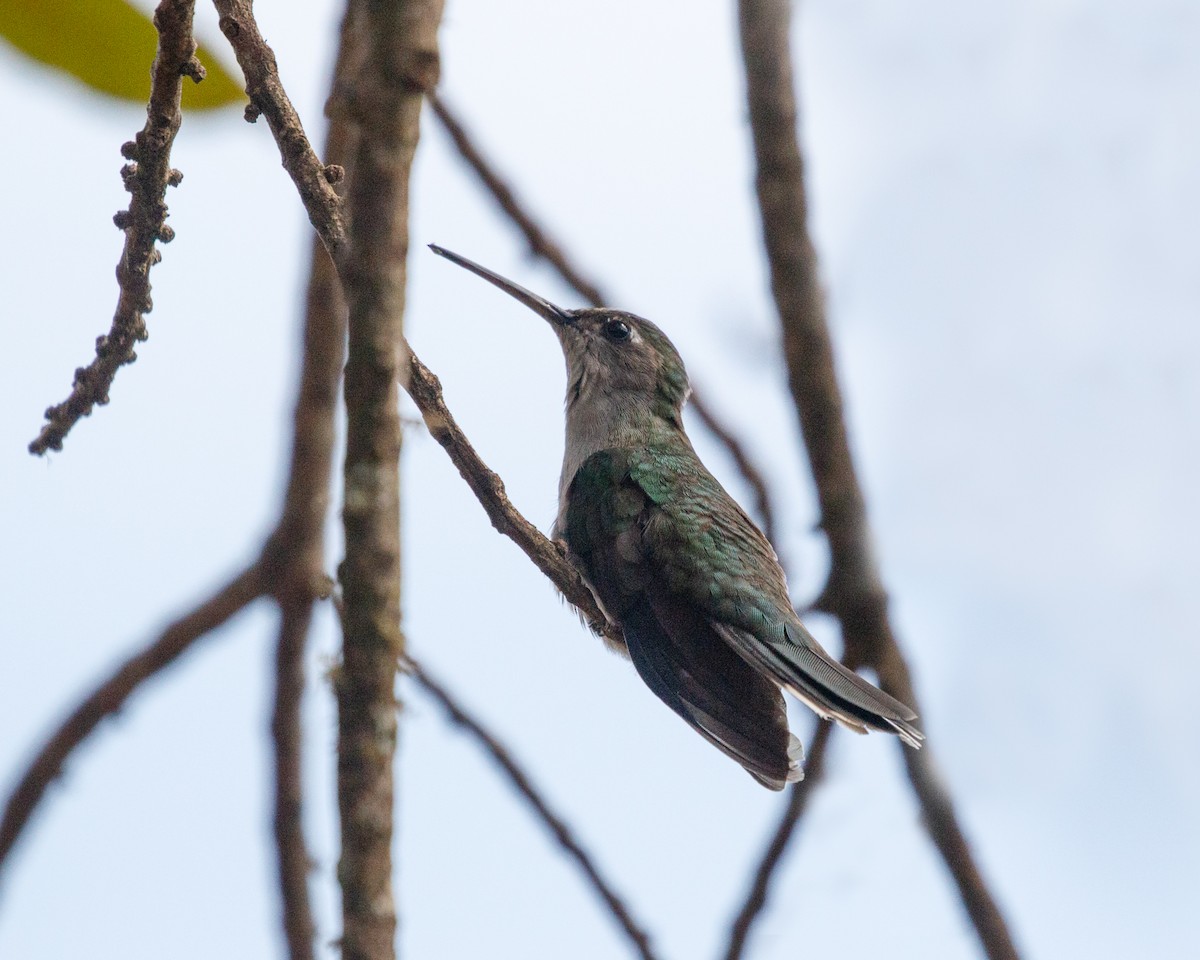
{"points": [[291, 565], [112, 694], [797, 803], [146, 177], [502, 192], [524, 786], [854, 591], [939, 815], [541, 245], [746, 467], [314, 181], [550, 558], [298, 547], [287, 735]]}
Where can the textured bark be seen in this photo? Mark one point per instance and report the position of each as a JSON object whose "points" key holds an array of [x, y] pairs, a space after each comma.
{"points": [[398, 43], [314, 181], [146, 178]]}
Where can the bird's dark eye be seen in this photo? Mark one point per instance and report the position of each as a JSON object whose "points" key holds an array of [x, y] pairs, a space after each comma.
{"points": [[617, 331]]}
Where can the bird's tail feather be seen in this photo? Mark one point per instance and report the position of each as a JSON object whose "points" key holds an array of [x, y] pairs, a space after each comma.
{"points": [[798, 663], [732, 705]]}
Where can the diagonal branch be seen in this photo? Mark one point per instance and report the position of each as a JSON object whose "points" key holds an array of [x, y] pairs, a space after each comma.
{"points": [[541, 245], [746, 466], [146, 178], [797, 803], [939, 815], [314, 181], [291, 565], [502, 192], [854, 592], [327, 217], [110, 696], [524, 786], [426, 392]]}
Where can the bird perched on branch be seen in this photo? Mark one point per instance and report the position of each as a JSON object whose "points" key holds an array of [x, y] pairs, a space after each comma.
{"points": [[674, 561]]}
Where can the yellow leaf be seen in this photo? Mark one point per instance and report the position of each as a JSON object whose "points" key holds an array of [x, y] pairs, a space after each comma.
{"points": [[110, 46]]}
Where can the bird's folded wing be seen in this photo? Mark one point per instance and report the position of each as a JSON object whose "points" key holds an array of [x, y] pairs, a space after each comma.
{"points": [[707, 549], [699, 676], [672, 645]]}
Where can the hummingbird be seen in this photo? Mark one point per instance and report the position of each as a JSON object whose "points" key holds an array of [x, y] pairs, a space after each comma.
{"points": [[695, 588]]}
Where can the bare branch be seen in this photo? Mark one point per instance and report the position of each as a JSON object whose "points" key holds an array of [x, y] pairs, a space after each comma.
{"points": [[397, 43], [292, 564], [361, 821], [939, 815], [400, 61], [313, 180], [146, 178], [111, 695], [854, 592], [297, 549], [746, 467], [550, 558], [797, 803], [524, 786], [539, 242], [292, 852]]}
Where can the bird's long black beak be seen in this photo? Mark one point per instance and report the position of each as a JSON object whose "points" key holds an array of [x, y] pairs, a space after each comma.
{"points": [[539, 305]]}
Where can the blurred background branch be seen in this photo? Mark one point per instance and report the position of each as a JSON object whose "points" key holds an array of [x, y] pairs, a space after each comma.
{"points": [[523, 784], [853, 591], [797, 802], [300, 544], [111, 695], [541, 245]]}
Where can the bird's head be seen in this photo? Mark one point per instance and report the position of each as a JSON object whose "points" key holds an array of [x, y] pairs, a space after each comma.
{"points": [[611, 355]]}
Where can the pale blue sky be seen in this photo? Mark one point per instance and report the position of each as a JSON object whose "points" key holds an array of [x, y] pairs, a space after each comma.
{"points": [[1005, 201]]}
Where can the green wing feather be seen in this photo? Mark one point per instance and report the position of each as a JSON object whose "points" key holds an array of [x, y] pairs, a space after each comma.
{"points": [[672, 644], [711, 552], [700, 594]]}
